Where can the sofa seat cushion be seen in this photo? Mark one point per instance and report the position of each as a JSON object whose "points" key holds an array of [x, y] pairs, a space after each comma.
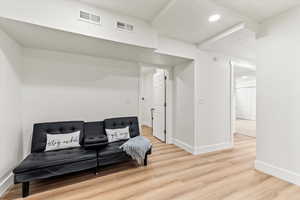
{"points": [[111, 148], [112, 154], [54, 158]]}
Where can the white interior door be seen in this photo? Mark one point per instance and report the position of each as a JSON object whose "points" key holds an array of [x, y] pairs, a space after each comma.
{"points": [[159, 104], [246, 103], [146, 98]]}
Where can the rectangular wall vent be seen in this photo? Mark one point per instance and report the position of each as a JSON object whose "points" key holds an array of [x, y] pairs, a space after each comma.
{"points": [[88, 17], [84, 15], [95, 19], [125, 26]]}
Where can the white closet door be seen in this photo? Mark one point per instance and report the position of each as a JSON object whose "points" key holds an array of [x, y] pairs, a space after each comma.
{"points": [[159, 104]]}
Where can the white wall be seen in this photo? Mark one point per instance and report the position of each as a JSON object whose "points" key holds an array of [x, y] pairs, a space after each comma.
{"points": [[10, 109], [212, 96], [66, 18], [278, 97], [60, 86], [183, 106], [201, 100], [178, 48]]}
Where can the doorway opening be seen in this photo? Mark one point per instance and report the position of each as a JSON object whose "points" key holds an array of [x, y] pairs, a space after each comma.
{"points": [[243, 100], [153, 101]]}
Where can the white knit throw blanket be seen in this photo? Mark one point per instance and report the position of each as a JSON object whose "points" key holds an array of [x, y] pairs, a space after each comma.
{"points": [[137, 148]]}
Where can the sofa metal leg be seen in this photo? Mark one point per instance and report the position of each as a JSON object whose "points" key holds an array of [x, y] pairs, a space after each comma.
{"points": [[25, 189], [98, 165], [146, 160], [146, 157]]}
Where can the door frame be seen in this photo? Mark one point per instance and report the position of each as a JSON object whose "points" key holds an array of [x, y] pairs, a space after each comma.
{"points": [[232, 105], [168, 108], [165, 105], [232, 64]]}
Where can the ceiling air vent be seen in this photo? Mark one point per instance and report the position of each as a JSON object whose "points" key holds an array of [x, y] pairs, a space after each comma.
{"points": [[95, 19], [124, 26], [84, 15], [88, 17]]}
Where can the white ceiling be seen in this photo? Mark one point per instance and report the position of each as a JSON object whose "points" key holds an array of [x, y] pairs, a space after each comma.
{"points": [[187, 20], [143, 9], [258, 10], [241, 44]]}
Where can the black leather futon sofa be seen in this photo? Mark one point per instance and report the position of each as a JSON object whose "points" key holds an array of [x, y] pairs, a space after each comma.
{"points": [[40, 164]]}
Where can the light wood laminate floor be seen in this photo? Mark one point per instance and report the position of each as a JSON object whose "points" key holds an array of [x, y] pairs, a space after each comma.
{"points": [[171, 174], [246, 127]]}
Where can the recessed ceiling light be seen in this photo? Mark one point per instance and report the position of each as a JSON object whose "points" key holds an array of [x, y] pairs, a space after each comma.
{"points": [[214, 18], [244, 77]]}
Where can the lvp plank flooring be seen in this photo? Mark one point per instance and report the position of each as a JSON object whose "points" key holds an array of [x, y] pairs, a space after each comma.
{"points": [[172, 174]]}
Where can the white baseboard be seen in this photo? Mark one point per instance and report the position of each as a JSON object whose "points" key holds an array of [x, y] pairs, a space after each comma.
{"points": [[170, 141], [183, 145], [212, 148], [202, 149], [6, 183], [280, 173]]}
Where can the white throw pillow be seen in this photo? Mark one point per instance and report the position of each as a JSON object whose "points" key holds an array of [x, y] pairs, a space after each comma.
{"points": [[115, 135], [62, 141]]}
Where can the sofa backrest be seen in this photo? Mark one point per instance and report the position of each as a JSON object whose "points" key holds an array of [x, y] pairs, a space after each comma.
{"points": [[94, 129], [40, 131], [123, 122]]}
